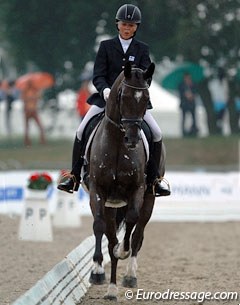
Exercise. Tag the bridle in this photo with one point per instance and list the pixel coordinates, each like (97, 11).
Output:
(137, 122)
(133, 87)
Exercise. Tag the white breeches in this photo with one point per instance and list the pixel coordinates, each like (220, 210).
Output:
(94, 110)
(156, 130)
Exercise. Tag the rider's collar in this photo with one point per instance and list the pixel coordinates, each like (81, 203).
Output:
(125, 43)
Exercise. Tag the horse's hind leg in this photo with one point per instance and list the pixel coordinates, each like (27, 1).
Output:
(122, 250)
(130, 279)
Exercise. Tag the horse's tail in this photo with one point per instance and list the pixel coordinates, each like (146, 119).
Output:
(120, 217)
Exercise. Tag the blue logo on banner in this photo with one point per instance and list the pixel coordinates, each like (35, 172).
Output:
(11, 193)
(82, 194)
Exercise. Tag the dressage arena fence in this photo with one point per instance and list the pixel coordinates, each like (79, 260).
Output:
(68, 281)
(195, 196)
(198, 196)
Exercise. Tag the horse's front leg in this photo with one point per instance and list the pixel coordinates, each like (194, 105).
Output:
(97, 276)
(130, 279)
(111, 229)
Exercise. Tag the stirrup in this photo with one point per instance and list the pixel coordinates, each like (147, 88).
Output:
(65, 175)
(159, 180)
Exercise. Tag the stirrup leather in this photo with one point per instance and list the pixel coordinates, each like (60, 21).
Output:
(159, 180)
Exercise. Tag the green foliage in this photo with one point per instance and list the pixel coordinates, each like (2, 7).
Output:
(208, 30)
(50, 33)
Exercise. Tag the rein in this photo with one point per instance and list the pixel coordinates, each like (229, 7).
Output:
(120, 126)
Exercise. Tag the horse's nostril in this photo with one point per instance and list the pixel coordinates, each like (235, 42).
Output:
(126, 139)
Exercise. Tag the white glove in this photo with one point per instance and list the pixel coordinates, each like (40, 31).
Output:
(106, 93)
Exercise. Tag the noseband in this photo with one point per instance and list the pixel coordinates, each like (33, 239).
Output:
(137, 122)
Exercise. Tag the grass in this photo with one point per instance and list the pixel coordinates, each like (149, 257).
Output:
(210, 153)
(56, 154)
(214, 152)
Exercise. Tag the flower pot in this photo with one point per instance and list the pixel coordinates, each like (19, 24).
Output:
(36, 194)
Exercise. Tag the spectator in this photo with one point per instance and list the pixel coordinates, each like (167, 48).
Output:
(187, 92)
(237, 105)
(12, 94)
(219, 90)
(2, 92)
(82, 96)
(30, 97)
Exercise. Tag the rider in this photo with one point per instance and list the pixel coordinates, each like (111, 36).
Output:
(110, 60)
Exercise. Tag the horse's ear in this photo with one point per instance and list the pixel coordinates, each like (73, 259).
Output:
(149, 72)
(127, 70)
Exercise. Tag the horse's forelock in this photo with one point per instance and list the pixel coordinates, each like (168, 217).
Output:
(138, 75)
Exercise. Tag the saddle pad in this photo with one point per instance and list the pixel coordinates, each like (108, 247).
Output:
(145, 143)
(89, 141)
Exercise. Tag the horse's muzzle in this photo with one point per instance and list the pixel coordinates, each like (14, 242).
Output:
(130, 144)
(131, 128)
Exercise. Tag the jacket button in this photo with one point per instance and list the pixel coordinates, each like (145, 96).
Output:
(122, 67)
(124, 59)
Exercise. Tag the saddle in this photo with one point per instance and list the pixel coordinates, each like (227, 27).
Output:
(91, 125)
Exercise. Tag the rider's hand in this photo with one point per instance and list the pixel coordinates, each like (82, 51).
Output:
(106, 93)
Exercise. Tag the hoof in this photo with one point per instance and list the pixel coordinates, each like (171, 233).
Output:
(110, 297)
(97, 278)
(118, 254)
(129, 281)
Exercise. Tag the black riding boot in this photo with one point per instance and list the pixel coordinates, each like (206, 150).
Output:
(153, 176)
(72, 183)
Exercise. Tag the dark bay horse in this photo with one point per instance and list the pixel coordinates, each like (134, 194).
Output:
(117, 175)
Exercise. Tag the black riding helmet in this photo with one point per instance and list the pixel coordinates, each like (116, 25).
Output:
(129, 13)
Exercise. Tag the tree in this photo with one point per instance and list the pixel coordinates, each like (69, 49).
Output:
(50, 33)
(56, 36)
(207, 32)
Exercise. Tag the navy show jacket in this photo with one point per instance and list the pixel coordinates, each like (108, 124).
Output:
(110, 61)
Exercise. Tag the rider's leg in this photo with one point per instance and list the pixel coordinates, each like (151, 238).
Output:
(155, 155)
(72, 183)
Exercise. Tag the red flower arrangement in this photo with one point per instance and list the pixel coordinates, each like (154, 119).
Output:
(39, 181)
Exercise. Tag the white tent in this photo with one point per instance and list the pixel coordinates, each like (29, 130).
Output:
(162, 100)
(165, 110)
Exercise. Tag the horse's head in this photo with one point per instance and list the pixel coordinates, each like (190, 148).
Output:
(133, 101)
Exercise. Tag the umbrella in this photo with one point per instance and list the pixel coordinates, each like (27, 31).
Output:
(40, 80)
(174, 78)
